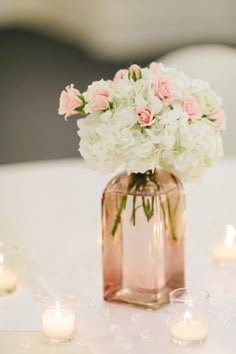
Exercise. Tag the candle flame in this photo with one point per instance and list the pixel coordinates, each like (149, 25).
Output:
(1, 259)
(58, 309)
(1, 262)
(230, 235)
(187, 316)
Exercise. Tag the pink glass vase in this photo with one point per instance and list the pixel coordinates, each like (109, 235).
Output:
(143, 230)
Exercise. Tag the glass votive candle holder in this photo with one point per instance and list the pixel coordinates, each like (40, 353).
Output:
(189, 316)
(58, 318)
(224, 251)
(8, 274)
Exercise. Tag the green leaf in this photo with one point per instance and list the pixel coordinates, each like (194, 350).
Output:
(79, 109)
(82, 98)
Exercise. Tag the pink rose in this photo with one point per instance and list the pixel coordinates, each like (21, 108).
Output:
(163, 89)
(144, 116)
(134, 72)
(219, 117)
(153, 66)
(191, 107)
(98, 97)
(69, 100)
(120, 74)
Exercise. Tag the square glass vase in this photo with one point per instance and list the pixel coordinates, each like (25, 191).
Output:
(143, 232)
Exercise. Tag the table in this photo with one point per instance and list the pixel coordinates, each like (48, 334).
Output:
(51, 209)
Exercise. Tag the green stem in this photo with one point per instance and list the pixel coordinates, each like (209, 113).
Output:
(118, 214)
(122, 206)
(178, 199)
(151, 177)
(138, 181)
(160, 198)
(163, 210)
(172, 228)
(133, 211)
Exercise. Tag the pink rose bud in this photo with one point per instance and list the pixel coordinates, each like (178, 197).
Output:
(144, 116)
(191, 107)
(153, 66)
(98, 97)
(219, 117)
(69, 100)
(120, 74)
(163, 89)
(135, 72)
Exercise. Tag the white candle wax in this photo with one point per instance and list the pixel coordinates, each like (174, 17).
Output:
(8, 278)
(58, 323)
(8, 281)
(191, 330)
(226, 251)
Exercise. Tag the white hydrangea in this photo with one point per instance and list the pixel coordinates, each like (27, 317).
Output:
(175, 139)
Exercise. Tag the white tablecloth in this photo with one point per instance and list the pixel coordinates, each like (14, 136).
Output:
(51, 209)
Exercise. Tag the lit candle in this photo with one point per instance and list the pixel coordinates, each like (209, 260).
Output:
(188, 329)
(225, 251)
(8, 279)
(189, 316)
(58, 324)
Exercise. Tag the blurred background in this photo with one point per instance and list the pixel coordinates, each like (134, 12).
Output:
(48, 44)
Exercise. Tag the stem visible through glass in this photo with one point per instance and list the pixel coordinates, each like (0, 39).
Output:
(138, 182)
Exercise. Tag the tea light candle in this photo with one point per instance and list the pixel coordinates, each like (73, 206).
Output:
(188, 329)
(58, 324)
(8, 279)
(189, 316)
(225, 251)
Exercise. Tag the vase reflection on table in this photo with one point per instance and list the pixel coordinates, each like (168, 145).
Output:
(143, 239)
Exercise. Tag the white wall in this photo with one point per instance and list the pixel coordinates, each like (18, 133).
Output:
(120, 29)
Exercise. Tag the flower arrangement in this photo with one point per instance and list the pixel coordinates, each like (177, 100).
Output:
(147, 118)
